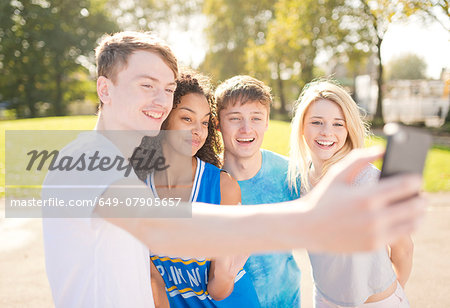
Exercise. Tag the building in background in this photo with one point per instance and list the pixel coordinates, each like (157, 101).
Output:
(407, 101)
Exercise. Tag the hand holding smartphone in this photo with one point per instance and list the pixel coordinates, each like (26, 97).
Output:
(406, 150)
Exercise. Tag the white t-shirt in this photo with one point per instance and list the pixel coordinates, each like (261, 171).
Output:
(91, 262)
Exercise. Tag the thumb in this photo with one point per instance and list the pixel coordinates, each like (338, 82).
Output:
(351, 165)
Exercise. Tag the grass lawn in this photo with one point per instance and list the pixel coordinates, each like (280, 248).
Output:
(437, 167)
(54, 123)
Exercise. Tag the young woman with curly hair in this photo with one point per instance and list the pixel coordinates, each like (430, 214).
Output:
(200, 282)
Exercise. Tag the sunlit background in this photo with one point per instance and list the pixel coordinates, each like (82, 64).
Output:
(47, 69)
(47, 62)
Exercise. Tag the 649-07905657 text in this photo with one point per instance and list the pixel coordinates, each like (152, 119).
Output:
(99, 201)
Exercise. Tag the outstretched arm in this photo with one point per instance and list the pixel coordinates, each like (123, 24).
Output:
(333, 217)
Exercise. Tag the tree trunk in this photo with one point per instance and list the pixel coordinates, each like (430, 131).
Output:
(354, 95)
(447, 118)
(30, 96)
(58, 104)
(281, 91)
(59, 110)
(307, 73)
(379, 110)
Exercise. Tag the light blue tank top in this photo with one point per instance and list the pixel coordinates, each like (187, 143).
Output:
(275, 276)
(186, 279)
(349, 279)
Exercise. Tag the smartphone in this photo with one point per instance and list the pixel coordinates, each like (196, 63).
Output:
(406, 150)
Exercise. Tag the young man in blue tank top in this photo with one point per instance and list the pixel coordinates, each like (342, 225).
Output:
(243, 105)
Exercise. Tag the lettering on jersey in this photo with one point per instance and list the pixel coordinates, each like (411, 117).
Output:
(193, 278)
(173, 275)
(197, 271)
(161, 270)
(179, 274)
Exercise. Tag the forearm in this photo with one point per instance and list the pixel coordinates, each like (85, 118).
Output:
(402, 259)
(213, 230)
(158, 288)
(218, 231)
(221, 283)
(332, 218)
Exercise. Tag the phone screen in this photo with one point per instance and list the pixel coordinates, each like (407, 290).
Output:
(406, 150)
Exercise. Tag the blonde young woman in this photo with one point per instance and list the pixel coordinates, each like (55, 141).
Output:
(326, 127)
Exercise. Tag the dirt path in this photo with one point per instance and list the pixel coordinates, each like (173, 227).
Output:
(23, 282)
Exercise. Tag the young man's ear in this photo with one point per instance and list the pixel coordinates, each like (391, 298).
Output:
(103, 90)
(268, 120)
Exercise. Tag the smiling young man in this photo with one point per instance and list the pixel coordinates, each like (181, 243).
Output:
(244, 105)
(97, 260)
(89, 261)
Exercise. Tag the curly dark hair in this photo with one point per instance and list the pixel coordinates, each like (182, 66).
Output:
(189, 82)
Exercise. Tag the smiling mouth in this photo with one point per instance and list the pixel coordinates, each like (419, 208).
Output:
(326, 144)
(153, 114)
(245, 140)
(194, 143)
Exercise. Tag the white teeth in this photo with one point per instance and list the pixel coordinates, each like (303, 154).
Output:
(245, 140)
(325, 143)
(152, 114)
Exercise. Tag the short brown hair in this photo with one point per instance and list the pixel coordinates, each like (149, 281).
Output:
(242, 89)
(112, 53)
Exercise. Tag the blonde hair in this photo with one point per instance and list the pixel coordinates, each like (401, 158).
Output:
(299, 153)
(113, 52)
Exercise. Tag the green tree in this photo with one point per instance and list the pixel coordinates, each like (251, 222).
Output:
(299, 30)
(407, 66)
(368, 21)
(22, 57)
(231, 26)
(153, 14)
(42, 44)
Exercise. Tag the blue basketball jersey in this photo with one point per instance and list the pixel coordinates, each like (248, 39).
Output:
(186, 279)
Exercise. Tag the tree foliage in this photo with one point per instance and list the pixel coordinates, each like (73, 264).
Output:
(42, 46)
(408, 66)
(280, 41)
(231, 26)
(369, 20)
(436, 10)
(152, 14)
(295, 36)
(46, 46)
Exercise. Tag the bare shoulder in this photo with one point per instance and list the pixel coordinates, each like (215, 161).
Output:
(228, 183)
(229, 189)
